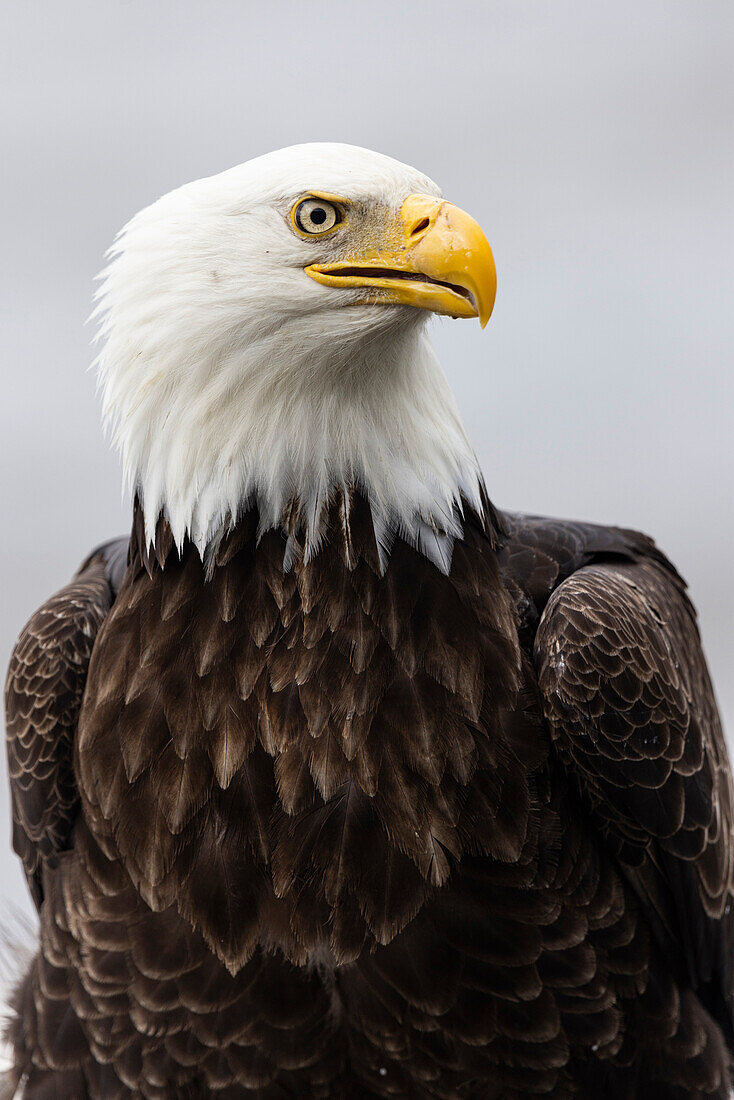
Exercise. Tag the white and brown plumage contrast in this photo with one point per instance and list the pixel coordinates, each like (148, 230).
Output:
(333, 780)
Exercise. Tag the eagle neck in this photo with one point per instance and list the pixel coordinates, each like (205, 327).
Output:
(286, 427)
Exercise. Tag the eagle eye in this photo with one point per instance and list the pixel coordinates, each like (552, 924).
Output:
(315, 216)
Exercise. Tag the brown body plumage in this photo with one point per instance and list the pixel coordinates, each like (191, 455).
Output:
(345, 830)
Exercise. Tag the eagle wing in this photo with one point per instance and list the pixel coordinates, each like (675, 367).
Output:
(43, 694)
(627, 695)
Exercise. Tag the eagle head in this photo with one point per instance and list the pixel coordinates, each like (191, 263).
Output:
(264, 346)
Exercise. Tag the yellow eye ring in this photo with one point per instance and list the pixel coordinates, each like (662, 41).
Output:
(317, 215)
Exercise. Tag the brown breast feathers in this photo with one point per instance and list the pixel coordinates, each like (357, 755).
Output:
(295, 756)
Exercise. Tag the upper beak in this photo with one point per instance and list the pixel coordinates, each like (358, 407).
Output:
(439, 259)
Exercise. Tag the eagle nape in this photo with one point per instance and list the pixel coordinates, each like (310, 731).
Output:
(334, 779)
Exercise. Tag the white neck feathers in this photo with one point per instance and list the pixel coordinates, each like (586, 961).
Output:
(284, 421)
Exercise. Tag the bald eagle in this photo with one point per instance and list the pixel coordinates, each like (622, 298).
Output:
(334, 780)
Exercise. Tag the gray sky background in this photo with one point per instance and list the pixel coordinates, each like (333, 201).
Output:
(594, 142)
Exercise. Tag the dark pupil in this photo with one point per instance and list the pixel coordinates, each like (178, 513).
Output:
(318, 216)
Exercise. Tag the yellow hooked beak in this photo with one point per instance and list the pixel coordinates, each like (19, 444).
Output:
(437, 258)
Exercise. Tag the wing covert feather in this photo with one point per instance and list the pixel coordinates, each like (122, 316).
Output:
(628, 698)
(43, 693)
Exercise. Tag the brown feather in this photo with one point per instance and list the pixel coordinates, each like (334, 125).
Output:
(309, 834)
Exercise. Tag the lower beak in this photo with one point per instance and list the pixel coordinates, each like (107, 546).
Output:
(442, 263)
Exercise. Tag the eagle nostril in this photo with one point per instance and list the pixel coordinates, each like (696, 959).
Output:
(420, 226)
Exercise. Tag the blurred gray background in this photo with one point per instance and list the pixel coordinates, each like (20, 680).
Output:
(594, 142)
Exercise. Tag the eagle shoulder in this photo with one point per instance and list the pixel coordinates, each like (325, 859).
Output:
(626, 693)
(43, 694)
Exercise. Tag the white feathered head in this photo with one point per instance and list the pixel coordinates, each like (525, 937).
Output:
(264, 344)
